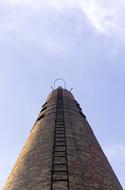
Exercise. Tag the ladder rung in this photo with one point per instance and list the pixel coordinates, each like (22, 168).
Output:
(60, 128)
(60, 141)
(59, 123)
(65, 171)
(61, 145)
(63, 163)
(58, 135)
(59, 166)
(57, 161)
(59, 151)
(60, 177)
(54, 180)
(59, 138)
(59, 156)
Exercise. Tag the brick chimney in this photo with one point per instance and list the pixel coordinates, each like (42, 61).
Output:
(61, 152)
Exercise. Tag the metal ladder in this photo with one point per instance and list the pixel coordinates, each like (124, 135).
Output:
(59, 176)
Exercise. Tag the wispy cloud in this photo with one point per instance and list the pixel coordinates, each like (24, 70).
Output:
(60, 27)
(106, 16)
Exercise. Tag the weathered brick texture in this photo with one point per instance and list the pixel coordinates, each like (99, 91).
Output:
(88, 167)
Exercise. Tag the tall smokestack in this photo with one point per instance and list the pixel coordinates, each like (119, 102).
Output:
(61, 152)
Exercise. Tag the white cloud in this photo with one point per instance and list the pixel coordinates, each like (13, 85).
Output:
(97, 13)
(106, 16)
(56, 25)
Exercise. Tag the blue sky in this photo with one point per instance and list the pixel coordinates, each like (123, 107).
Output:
(82, 41)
